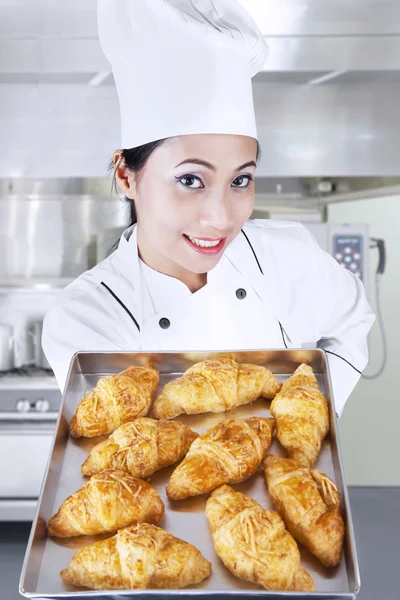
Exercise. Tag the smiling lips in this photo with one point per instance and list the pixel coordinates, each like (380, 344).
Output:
(205, 245)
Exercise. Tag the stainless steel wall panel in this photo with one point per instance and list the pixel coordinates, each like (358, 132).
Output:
(328, 130)
(49, 236)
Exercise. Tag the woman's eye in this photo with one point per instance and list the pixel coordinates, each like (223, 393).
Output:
(190, 179)
(247, 180)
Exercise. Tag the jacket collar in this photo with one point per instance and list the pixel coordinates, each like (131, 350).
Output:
(240, 255)
(265, 282)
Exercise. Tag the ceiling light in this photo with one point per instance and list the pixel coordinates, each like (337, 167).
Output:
(99, 78)
(326, 77)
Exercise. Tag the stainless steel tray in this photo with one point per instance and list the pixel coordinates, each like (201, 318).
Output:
(46, 557)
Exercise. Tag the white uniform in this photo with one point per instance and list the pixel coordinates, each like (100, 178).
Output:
(273, 288)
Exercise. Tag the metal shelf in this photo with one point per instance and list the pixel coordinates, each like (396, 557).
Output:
(35, 284)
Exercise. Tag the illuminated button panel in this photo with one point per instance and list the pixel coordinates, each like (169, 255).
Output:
(348, 251)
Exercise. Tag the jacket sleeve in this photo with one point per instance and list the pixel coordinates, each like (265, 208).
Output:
(343, 320)
(77, 324)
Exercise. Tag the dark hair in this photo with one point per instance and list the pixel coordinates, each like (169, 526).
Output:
(135, 159)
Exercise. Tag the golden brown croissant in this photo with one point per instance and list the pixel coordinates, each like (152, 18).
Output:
(141, 447)
(115, 400)
(138, 557)
(253, 543)
(302, 416)
(215, 386)
(108, 501)
(309, 503)
(229, 452)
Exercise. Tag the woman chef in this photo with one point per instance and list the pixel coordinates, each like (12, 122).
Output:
(191, 272)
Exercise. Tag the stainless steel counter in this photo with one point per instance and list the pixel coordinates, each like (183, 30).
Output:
(377, 528)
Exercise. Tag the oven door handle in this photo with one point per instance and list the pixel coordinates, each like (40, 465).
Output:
(27, 428)
(7, 417)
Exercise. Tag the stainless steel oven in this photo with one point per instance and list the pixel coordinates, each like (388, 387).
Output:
(29, 405)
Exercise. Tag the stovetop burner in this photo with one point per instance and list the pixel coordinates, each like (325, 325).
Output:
(29, 389)
(27, 371)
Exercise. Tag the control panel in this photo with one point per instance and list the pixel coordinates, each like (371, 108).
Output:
(348, 251)
(38, 404)
(29, 401)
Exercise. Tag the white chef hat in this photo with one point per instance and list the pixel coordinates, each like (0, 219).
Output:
(181, 66)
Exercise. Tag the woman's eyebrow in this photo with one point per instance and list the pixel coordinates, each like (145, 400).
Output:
(204, 163)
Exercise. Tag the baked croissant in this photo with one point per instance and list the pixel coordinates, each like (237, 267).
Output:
(309, 503)
(115, 400)
(215, 386)
(138, 557)
(141, 447)
(229, 452)
(253, 543)
(108, 501)
(302, 417)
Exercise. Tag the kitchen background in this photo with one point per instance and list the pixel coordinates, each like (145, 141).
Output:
(327, 108)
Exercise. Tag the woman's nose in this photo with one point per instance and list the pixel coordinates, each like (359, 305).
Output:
(217, 213)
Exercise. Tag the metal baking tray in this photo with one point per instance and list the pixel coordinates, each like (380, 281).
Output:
(46, 557)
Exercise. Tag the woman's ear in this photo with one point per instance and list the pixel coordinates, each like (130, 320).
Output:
(124, 176)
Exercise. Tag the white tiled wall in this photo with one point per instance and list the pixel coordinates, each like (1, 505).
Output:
(57, 130)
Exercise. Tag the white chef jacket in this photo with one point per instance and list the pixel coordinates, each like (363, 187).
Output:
(274, 287)
(220, 314)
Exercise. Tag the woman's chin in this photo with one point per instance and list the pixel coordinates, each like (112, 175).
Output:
(201, 264)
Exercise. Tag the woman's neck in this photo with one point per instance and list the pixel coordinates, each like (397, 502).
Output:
(162, 264)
